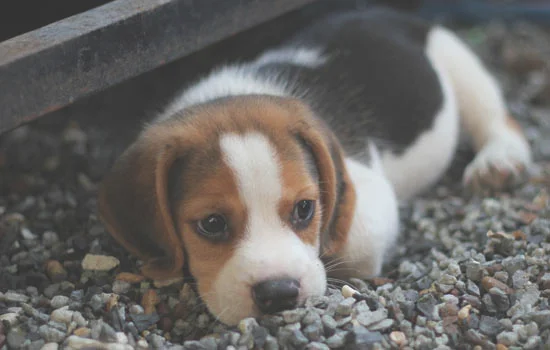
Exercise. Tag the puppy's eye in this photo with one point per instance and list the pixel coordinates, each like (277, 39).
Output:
(213, 227)
(302, 214)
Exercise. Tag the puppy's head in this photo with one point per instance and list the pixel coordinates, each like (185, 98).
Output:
(249, 191)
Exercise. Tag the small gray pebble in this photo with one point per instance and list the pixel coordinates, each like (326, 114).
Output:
(382, 325)
(474, 271)
(121, 287)
(39, 345)
(14, 297)
(79, 319)
(311, 317)
(502, 276)
(365, 337)
(193, 345)
(343, 321)
(317, 346)
(329, 325)
(292, 337)
(513, 264)
(507, 338)
(234, 338)
(447, 279)
(519, 279)
(247, 325)
(423, 342)
(489, 325)
(203, 320)
(271, 343)
(272, 322)
(533, 342)
(345, 306)
(298, 338)
(49, 238)
(96, 303)
(77, 295)
(489, 304)
(528, 331)
(16, 337)
(472, 288)
(108, 334)
(32, 291)
(337, 340)
(530, 296)
(52, 290)
(59, 301)
(506, 323)
(318, 301)
(426, 305)
(157, 342)
(313, 331)
(293, 316)
(142, 322)
(500, 298)
(260, 336)
(370, 318)
(136, 309)
(51, 334)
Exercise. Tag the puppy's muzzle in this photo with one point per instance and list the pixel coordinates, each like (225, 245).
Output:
(276, 295)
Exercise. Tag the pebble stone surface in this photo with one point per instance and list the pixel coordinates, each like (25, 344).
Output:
(469, 272)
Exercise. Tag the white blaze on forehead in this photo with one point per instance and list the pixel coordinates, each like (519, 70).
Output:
(257, 170)
(256, 167)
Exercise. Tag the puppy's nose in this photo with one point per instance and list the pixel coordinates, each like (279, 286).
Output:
(276, 295)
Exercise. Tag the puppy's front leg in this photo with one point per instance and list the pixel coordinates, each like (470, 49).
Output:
(375, 224)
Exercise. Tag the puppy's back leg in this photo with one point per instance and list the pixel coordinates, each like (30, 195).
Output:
(502, 151)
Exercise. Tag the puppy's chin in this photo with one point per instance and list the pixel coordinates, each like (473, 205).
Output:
(230, 298)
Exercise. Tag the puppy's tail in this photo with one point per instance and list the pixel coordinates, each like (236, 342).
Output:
(375, 160)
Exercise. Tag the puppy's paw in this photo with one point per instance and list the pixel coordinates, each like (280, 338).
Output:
(501, 164)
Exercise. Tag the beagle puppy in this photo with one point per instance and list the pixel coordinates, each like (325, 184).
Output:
(260, 173)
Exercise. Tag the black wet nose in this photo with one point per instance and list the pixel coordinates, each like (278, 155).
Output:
(276, 295)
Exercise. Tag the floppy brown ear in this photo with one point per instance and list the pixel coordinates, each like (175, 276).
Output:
(337, 190)
(133, 202)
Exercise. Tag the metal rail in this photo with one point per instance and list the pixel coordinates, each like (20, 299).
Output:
(48, 68)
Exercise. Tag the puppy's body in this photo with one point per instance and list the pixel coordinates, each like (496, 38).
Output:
(367, 75)
(353, 114)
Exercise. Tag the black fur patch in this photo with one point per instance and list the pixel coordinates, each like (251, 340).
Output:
(377, 83)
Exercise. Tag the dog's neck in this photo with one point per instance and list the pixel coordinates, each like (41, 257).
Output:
(258, 77)
(235, 80)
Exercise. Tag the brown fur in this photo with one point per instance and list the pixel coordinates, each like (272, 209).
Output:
(345, 210)
(133, 201)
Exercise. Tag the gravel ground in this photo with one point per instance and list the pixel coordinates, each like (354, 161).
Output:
(470, 272)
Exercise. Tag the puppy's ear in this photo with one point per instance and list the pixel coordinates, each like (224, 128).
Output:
(337, 190)
(133, 202)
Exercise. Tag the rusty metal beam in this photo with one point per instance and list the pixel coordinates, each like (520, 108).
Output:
(48, 68)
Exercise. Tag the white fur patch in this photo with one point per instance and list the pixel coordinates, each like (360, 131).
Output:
(477, 93)
(300, 56)
(269, 249)
(375, 224)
